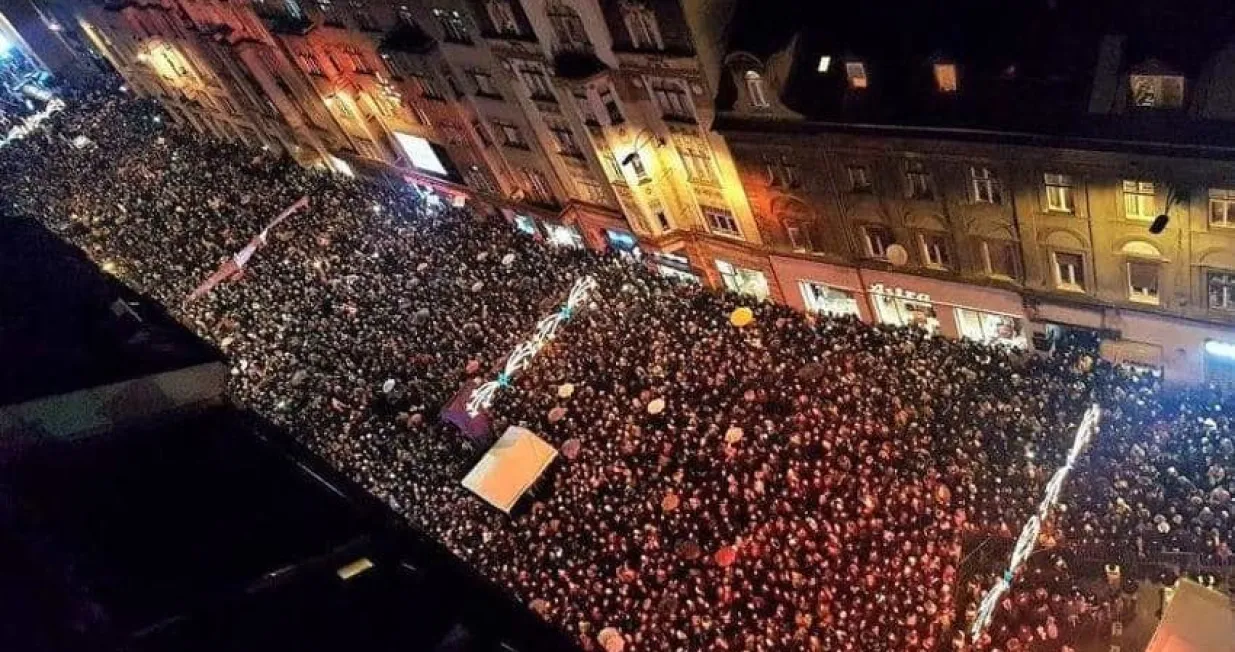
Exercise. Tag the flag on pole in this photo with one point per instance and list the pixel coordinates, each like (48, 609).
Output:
(234, 266)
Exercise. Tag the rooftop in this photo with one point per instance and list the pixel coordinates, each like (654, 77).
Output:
(1053, 67)
(95, 331)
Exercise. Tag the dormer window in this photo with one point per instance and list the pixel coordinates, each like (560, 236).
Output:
(1157, 91)
(945, 77)
(825, 63)
(856, 71)
(756, 89)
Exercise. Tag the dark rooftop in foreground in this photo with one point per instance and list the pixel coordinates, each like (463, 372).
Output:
(62, 329)
(201, 527)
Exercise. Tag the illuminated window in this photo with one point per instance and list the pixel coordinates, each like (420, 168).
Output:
(859, 178)
(454, 25)
(1069, 271)
(1143, 282)
(1058, 192)
(878, 239)
(918, 181)
(642, 26)
(698, 164)
(503, 17)
(825, 63)
(721, 221)
(1222, 291)
(1157, 91)
(1221, 207)
(754, 86)
(945, 77)
(935, 250)
(984, 186)
(856, 71)
(1139, 202)
(636, 164)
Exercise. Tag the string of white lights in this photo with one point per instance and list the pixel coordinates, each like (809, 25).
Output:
(32, 122)
(1028, 540)
(521, 356)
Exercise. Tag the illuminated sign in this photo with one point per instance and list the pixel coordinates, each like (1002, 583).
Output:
(420, 152)
(1220, 349)
(900, 293)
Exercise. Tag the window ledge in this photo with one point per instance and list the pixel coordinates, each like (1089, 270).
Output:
(1059, 211)
(1146, 301)
(1075, 289)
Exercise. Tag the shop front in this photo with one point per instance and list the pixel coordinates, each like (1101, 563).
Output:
(987, 315)
(743, 280)
(821, 288)
(674, 265)
(623, 242)
(563, 235)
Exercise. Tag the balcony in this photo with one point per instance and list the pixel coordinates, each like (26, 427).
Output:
(409, 39)
(577, 65)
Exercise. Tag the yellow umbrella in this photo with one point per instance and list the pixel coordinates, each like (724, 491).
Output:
(741, 317)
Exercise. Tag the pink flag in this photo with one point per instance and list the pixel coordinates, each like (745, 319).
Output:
(232, 267)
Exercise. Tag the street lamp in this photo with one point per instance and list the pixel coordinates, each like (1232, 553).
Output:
(634, 150)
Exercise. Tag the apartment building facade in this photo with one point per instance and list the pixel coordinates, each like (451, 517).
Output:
(1005, 198)
(588, 120)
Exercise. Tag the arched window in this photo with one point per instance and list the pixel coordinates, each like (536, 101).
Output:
(756, 89)
(568, 27)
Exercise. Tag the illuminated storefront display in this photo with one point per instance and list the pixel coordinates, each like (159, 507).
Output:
(623, 241)
(901, 307)
(525, 224)
(828, 300)
(1219, 360)
(564, 236)
(990, 328)
(751, 282)
(674, 266)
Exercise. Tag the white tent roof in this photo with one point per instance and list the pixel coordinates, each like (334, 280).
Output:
(510, 467)
(1196, 620)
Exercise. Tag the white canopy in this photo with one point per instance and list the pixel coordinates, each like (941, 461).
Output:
(508, 469)
(1196, 620)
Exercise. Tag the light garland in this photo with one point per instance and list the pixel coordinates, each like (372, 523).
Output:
(521, 356)
(32, 122)
(1028, 540)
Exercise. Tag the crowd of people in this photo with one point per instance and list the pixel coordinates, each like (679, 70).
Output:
(802, 482)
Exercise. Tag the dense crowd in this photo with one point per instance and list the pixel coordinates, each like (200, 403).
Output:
(811, 483)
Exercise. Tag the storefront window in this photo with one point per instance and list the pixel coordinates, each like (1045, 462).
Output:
(827, 300)
(1219, 360)
(624, 242)
(750, 282)
(674, 266)
(564, 236)
(990, 328)
(903, 308)
(525, 224)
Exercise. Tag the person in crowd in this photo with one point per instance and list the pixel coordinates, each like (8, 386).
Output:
(803, 482)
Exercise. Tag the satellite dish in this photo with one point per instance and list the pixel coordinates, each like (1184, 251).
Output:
(897, 255)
